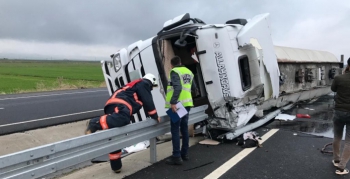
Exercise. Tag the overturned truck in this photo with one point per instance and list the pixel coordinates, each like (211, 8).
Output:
(238, 71)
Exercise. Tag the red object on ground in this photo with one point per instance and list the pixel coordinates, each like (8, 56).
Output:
(303, 116)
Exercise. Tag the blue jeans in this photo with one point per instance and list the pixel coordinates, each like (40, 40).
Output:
(180, 125)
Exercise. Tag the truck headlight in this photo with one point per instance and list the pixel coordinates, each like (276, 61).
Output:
(117, 63)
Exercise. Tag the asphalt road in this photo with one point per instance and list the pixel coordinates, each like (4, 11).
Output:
(20, 112)
(283, 156)
(293, 152)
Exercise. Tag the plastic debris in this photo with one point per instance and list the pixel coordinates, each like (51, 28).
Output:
(137, 147)
(285, 117)
(303, 116)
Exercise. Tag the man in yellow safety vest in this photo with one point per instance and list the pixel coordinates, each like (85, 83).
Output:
(179, 90)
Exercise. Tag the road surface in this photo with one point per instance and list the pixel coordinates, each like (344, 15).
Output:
(20, 112)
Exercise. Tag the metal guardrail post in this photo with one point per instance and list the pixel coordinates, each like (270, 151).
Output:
(153, 150)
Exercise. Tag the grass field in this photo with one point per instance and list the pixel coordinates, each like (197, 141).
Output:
(18, 76)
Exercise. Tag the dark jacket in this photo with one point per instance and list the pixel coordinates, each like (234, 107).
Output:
(341, 85)
(176, 83)
(137, 94)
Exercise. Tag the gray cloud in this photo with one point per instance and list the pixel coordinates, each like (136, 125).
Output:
(107, 21)
(119, 23)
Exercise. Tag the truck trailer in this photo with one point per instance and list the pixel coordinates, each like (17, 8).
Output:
(239, 72)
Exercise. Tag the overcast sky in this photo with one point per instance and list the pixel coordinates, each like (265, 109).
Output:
(94, 29)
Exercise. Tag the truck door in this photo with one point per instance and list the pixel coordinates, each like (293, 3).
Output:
(213, 66)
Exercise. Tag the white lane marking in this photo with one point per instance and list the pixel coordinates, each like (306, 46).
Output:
(51, 95)
(2, 108)
(234, 160)
(35, 120)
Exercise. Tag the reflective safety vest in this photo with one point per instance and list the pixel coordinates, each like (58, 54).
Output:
(186, 77)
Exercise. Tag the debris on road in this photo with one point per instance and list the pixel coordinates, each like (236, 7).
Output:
(249, 139)
(137, 147)
(303, 116)
(209, 142)
(285, 117)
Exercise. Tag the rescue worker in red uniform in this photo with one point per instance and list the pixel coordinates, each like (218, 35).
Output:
(119, 108)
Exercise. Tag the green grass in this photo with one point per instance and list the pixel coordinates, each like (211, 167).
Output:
(17, 76)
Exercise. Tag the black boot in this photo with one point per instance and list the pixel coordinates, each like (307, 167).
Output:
(116, 165)
(185, 157)
(92, 126)
(174, 161)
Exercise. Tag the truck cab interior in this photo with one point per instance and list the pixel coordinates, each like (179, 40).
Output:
(189, 59)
